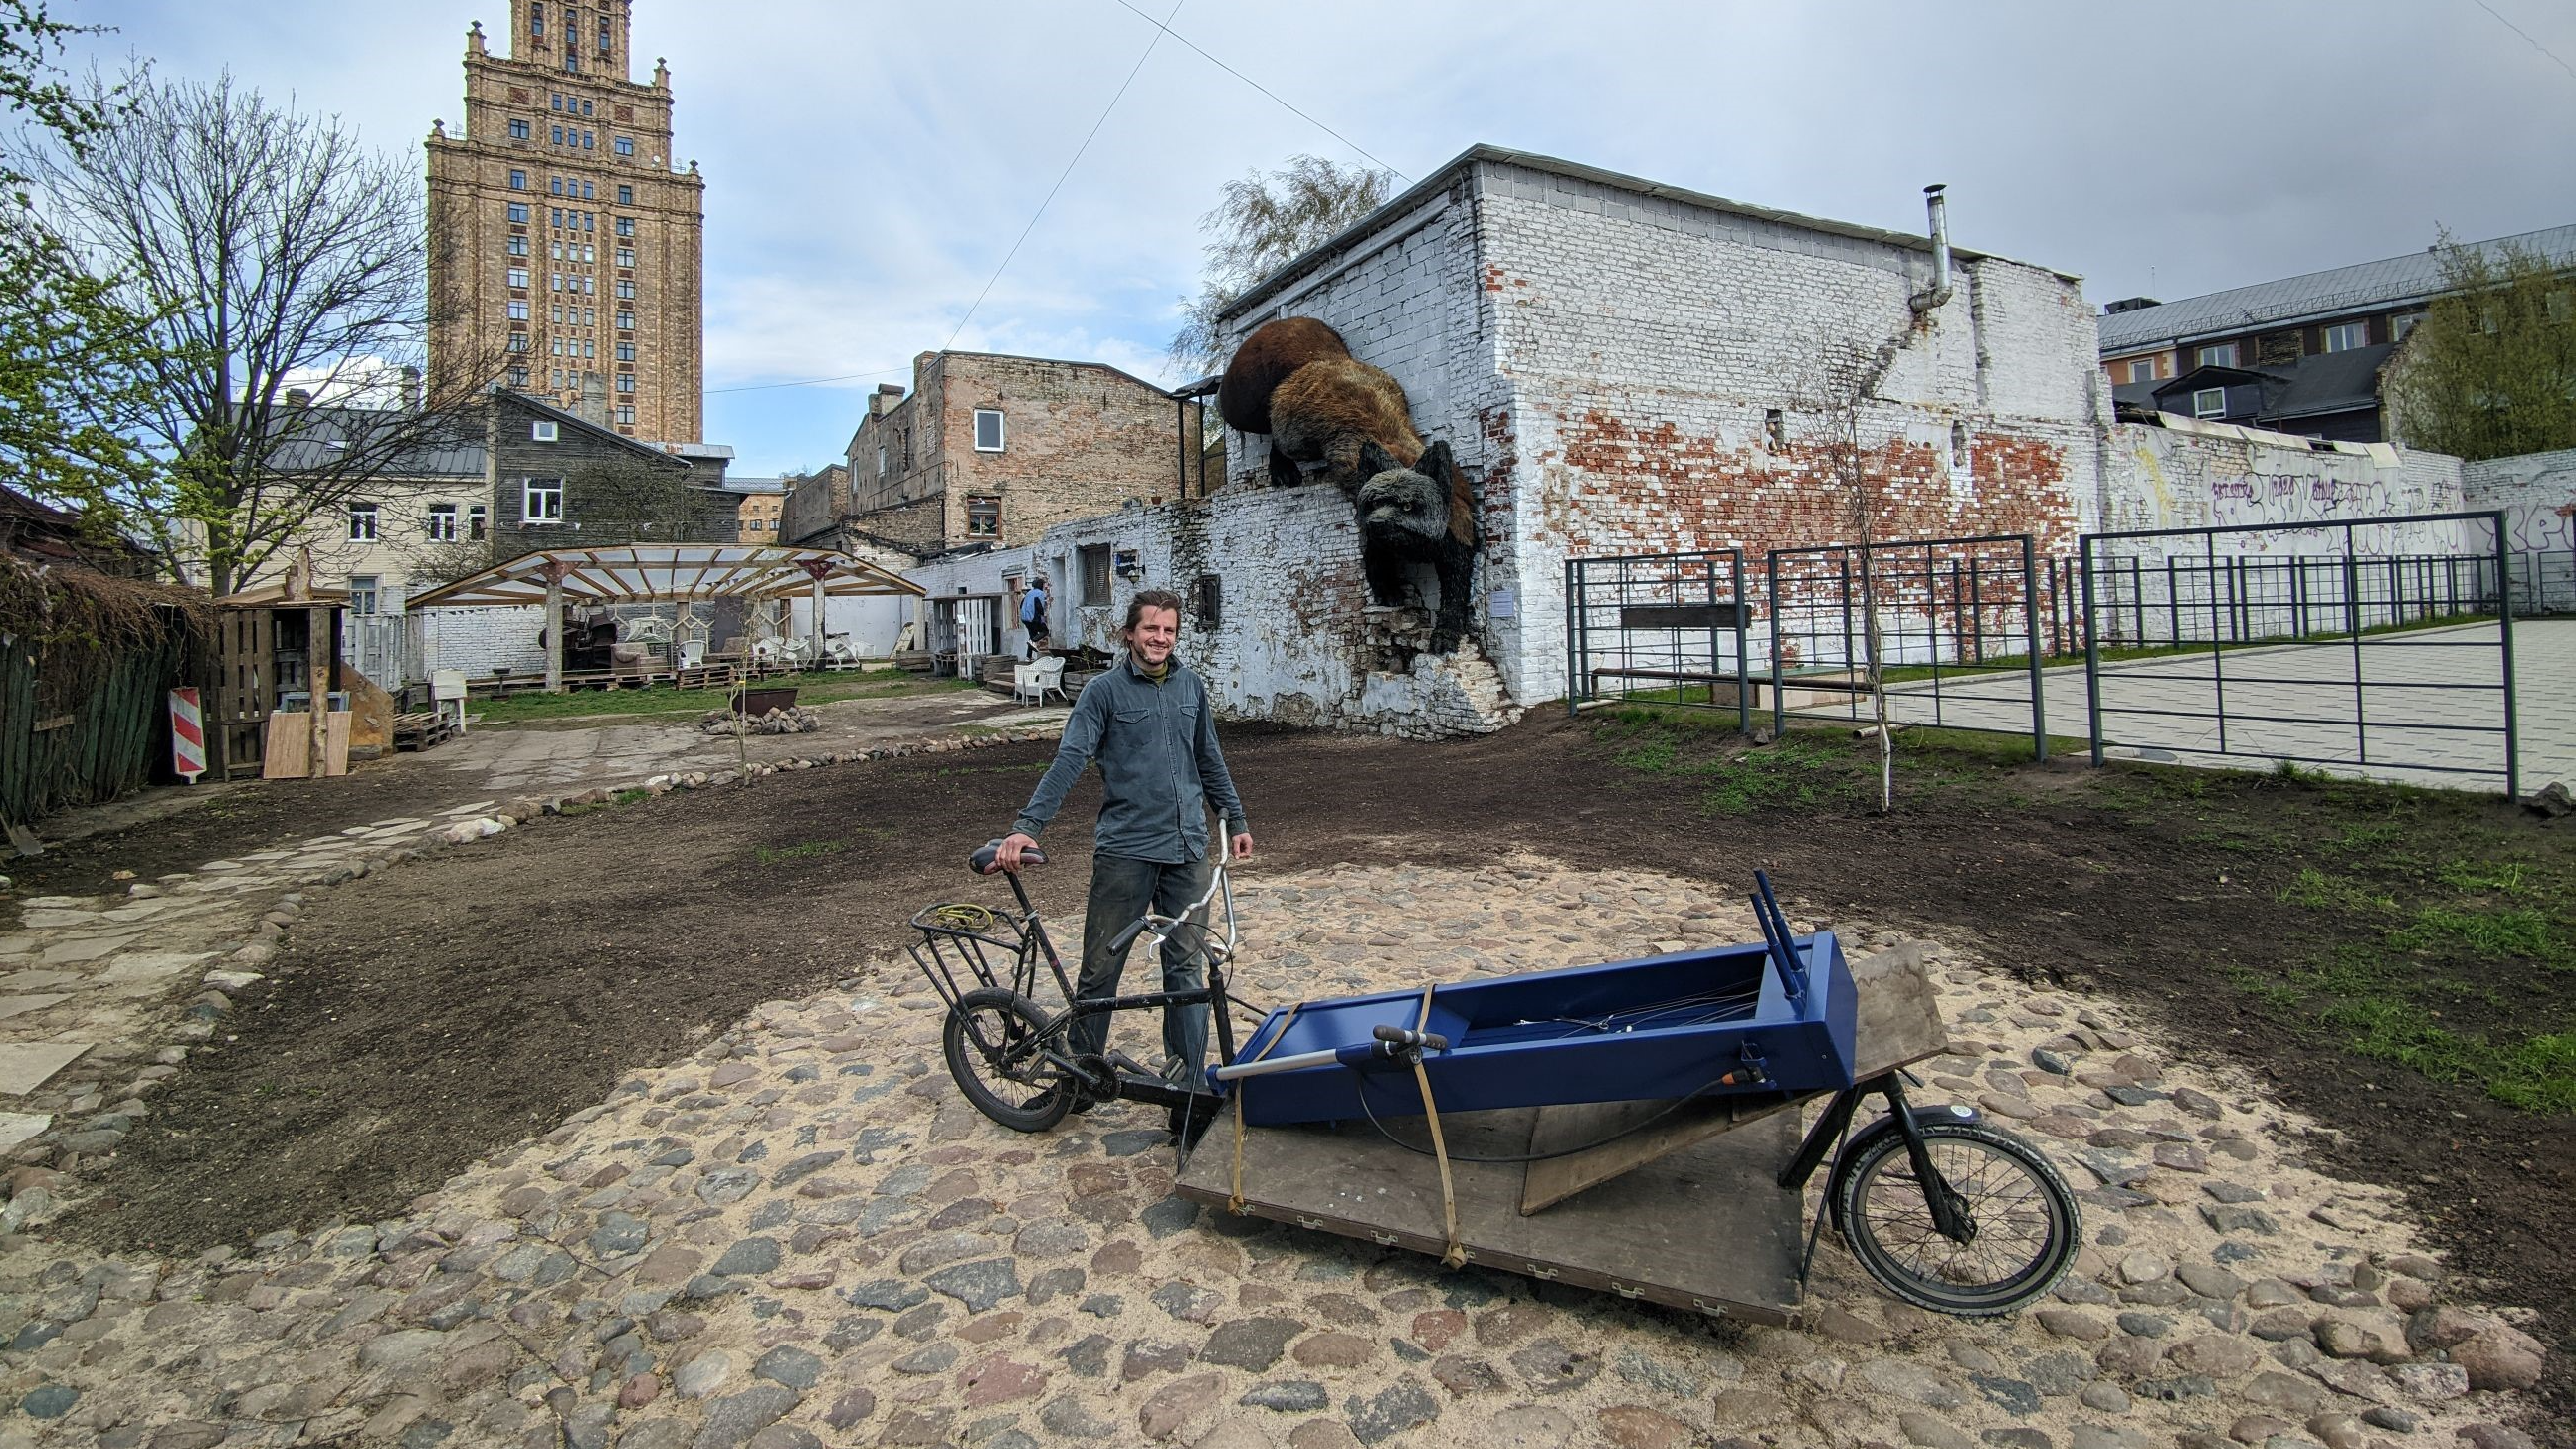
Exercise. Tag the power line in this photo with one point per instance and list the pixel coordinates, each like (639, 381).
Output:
(1068, 173)
(2525, 34)
(811, 381)
(1265, 90)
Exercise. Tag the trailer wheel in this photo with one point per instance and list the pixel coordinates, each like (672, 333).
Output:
(994, 1042)
(2027, 1227)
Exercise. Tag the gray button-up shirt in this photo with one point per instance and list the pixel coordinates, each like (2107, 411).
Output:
(1160, 769)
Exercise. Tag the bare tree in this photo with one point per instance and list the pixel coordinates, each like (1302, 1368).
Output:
(1846, 386)
(277, 255)
(1262, 223)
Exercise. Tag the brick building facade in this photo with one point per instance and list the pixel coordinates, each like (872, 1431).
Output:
(994, 450)
(565, 244)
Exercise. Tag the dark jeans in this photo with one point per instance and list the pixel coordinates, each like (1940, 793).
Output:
(1122, 887)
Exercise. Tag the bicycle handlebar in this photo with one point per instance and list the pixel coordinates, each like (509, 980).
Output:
(1430, 1041)
(987, 858)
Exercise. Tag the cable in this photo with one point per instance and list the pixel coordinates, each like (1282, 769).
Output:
(1267, 91)
(812, 381)
(2481, 4)
(1162, 30)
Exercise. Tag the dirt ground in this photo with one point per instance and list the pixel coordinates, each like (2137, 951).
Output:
(425, 1015)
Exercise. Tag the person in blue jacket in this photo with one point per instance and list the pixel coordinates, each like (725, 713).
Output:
(1148, 723)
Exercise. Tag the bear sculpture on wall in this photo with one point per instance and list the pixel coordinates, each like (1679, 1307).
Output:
(1295, 380)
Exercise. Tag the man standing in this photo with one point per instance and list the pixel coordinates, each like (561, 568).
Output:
(1033, 618)
(1147, 721)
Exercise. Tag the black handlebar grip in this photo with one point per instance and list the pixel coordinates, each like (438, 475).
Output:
(1398, 1036)
(987, 857)
(1127, 938)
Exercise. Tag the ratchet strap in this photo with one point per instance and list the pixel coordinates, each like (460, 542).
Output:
(1234, 1203)
(1455, 1254)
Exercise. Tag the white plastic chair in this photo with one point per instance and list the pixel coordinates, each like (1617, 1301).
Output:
(447, 687)
(1036, 680)
(693, 653)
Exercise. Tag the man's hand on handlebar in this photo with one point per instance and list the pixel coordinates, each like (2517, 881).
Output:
(1008, 857)
(1242, 846)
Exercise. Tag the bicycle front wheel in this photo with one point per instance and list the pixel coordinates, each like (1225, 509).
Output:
(995, 1043)
(2025, 1227)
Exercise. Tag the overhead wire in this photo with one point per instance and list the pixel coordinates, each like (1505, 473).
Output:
(1267, 91)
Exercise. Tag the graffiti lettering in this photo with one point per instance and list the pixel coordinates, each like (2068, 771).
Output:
(2221, 489)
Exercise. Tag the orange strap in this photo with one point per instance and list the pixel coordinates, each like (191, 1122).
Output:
(1455, 1254)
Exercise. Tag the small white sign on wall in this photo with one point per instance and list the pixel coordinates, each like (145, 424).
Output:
(1502, 604)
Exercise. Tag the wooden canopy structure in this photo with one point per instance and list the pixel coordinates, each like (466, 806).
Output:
(666, 573)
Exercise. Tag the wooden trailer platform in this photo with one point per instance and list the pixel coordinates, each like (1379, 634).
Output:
(1686, 1212)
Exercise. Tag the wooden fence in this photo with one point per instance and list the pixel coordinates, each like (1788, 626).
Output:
(82, 724)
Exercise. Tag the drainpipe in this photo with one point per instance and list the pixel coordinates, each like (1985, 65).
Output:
(1938, 294)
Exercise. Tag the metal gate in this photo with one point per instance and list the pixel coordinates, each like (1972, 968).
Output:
(1963, 631)
(1667, 628)
(2313, 643)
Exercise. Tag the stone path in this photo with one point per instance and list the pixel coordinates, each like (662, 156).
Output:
(802, 1235)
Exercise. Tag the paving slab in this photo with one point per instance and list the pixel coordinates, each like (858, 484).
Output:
(20, 1005)
(27, 1065)
(86, 948)
(17, 1127)
(22, 982)
(148, 966)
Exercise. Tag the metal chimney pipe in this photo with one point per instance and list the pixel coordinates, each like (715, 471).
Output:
(1939, 292)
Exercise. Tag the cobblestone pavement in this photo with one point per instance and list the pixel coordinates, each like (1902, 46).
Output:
(802, 1235)
(2302, 686)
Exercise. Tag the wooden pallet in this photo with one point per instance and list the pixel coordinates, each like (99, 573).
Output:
(425, 730)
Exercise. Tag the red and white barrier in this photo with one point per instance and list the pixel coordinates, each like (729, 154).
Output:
(187, 734)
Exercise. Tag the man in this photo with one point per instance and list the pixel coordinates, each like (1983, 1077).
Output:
(1147, 721)
(1033, 615)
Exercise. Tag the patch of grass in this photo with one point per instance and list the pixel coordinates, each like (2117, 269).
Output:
(772, 855)
(2517, 932)
(2314, 888)
(629, 797)
(531, 704)
(2507, 878)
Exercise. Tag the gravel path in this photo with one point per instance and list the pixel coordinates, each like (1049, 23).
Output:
(802, 1235)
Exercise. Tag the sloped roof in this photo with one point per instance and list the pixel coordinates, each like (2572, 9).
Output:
(2362, 287)
(313, 439)
(661, 573)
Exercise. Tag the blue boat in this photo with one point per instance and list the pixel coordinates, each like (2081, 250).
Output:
(1772, 1016)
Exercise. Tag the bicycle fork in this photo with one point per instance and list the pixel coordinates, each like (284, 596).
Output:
(1950, 1215)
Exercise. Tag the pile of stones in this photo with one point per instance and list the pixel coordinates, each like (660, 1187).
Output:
(796, 719)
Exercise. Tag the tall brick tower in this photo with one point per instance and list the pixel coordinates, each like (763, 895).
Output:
(564, 244)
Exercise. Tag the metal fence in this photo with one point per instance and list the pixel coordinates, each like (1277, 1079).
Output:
(1964, 627)
(2544, 581)
(2207, 642)
(1668, 628)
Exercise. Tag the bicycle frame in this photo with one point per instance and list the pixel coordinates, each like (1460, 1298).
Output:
(1028, 943)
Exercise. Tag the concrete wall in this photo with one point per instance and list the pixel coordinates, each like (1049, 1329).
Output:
(2537, 493)
(2163, 478)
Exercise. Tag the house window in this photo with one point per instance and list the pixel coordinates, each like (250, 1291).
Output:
(1205, 596)
(1775, 428)
(625, 146)
(519, 212)
(518, 181)
(988, 430)
(983, 518)
(362, 593)
(881, 460)
(543, 500)
(478, 522)
(1959, 447)
(2347, 336)
(362, 523)
(519, 131)
(2401, 324)
(2209, 402)
(442, 523)
(2143, 370)
(518, 377)
(626, 196)
(1093, 558)
(544, 431)
(2222, 354)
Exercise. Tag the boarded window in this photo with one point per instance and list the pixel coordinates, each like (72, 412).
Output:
(983, 518)
(1205, 598)
(1094, 559)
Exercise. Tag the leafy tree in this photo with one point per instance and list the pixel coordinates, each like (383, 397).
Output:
(74, 359)
(274, 255)
(1261, 224)
(2491, 369)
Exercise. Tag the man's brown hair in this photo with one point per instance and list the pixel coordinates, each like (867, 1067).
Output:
(1150, 599)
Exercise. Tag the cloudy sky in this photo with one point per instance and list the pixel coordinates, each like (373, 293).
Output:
(869, 164)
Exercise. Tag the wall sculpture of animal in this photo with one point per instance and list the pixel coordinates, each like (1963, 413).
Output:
(1295, 380)
(1415, 518)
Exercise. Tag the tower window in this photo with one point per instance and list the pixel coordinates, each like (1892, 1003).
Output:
(537, 21)
(518, 246)
(604, 45)
(625, 146)
(518, 181)
(518, 276)
(518, 311)
(519, 212)
(626, 196)
(519, 130)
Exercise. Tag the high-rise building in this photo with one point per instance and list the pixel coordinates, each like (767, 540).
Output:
(564, 243)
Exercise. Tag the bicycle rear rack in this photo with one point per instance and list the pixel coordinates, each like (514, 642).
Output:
(964, 940)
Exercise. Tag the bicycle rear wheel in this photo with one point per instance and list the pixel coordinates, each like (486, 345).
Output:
(2026, 1226)
(994, 1042)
